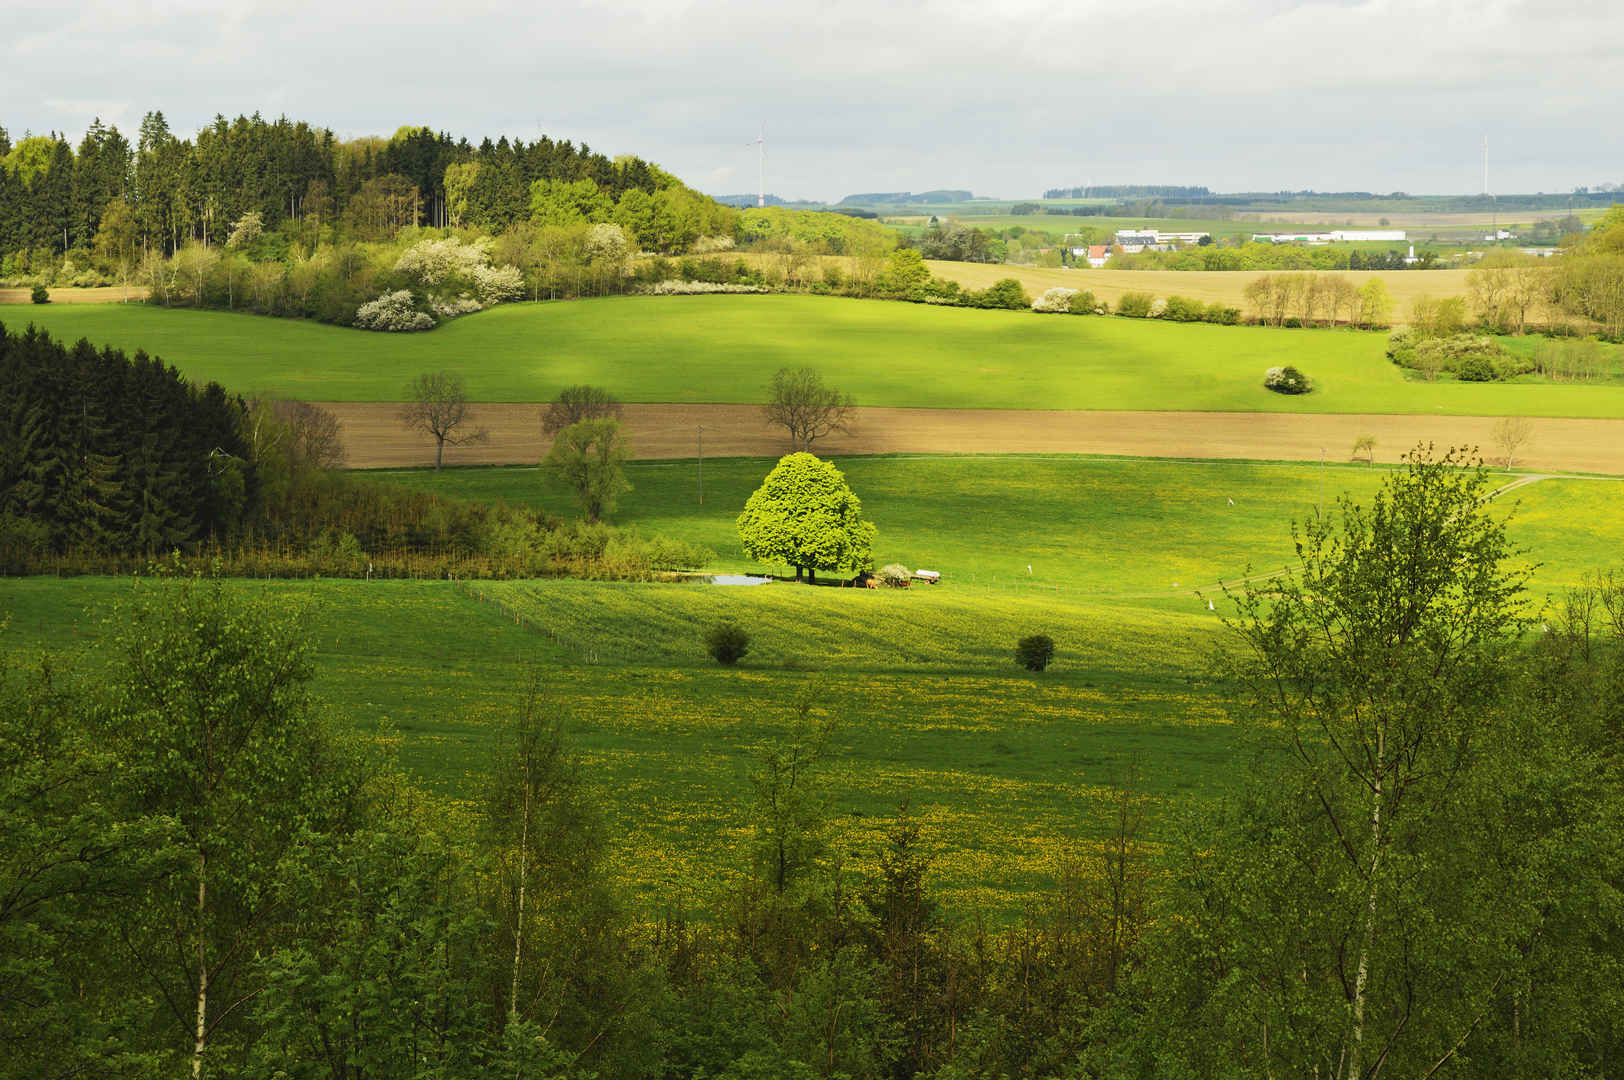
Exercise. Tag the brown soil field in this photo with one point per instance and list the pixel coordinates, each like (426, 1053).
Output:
(110, 294)
(375, 438)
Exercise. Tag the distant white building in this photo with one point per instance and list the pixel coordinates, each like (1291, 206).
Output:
(1133, 241)
(1336, 236)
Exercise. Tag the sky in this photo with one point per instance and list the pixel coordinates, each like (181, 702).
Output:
(1005, 99)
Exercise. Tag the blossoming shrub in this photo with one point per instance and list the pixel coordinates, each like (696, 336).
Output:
(392, 311)
(696, 288)
(1286, 380)
(1055, 300)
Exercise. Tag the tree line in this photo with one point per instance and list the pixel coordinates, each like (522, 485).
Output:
(107, 461)
(175, 190)
(201, 870)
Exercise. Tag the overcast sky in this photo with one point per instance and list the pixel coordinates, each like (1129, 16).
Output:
(1005, 98)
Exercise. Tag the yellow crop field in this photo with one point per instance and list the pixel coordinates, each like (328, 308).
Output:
(1208, 286)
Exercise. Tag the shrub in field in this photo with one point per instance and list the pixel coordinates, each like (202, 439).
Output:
(40, 295)
(1293, 323)
(1084, 303)
(393, 312)
(1007, 293)
(1286, 380)
(1158, 308)
(1054, 300)
(1034, 651)
(1221, 315)
(1476, 368)
(893, 574)
(1183, 309)
(1135, 305)
(727, 643)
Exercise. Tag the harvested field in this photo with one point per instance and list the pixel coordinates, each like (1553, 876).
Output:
(110, 294)
(376, 439)
(1208, 286)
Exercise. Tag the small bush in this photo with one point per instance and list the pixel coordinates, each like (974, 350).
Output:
(1286, 380)
(1293, 323)
(1084, 303)
(894, 574)
(1476, 368)
(40, 295)
(1183, 309)
(1034, 651)
(1136, 305)
(727, 643)
(1006, 293)
(1055, 300)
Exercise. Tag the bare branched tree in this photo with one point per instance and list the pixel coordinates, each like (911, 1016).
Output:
(437, 404)
(800, 403)
(1510, 436)
(576, 403)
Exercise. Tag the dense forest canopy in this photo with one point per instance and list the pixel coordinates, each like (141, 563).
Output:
(54, 199)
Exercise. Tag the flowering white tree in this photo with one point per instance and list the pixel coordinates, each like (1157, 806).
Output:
(1054, 300)
(458, 277)
(392, 311)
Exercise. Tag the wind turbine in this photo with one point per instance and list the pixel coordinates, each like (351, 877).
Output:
(760, 143)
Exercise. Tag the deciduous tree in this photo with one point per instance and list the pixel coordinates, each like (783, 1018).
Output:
(437, 404)
(799, 403)
(804, 515)
(588, 460)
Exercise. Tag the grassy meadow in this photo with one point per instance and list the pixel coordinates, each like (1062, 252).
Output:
(724, 348)
(1007, 770)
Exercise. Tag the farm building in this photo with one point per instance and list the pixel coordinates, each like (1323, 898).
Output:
(1336, 236)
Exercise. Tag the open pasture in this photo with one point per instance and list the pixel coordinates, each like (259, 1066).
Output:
(1008, 771)
(725, 348)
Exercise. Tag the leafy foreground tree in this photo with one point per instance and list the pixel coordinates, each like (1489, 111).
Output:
(804, 515)
(1414, 876)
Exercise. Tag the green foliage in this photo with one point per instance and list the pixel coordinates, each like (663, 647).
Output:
(1083, 302)
(1399, 795)
(40, 295)
(588, 459)
(727, 643)
(1135, 305)
(1034, 652)
(1286, 380)
(804, 515)
(1006, 293)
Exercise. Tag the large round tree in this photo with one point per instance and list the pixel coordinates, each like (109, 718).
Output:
(804, 515)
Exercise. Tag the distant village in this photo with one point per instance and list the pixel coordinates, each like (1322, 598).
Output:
(1134, 241)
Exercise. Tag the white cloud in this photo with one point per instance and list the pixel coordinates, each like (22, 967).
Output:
(1004, 99)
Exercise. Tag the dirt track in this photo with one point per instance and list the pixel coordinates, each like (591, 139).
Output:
(375, 438)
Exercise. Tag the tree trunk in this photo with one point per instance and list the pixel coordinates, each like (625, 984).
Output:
(439, 453)
(518, 922)
(200, 1040)
(1362, 977)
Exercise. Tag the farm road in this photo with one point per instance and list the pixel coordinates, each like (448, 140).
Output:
(375, 438)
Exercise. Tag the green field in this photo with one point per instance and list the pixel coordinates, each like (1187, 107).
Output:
(1006, 769)
(724, 348)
